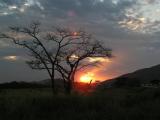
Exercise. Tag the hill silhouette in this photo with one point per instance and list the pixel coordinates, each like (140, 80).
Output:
(34, 84)
(143, 76)
(19, 85)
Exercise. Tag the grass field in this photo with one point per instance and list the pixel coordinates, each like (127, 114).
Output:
(110, 104)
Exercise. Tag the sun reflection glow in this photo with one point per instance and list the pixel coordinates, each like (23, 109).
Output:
(87, 78)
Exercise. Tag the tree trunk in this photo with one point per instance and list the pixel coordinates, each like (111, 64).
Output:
(70, 84)
(53, 86)
(69, 87)
(53, 82)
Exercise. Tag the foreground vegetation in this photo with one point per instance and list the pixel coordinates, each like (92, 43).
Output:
(109, 104)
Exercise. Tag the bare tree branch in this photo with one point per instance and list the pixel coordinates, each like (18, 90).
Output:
(71, 50)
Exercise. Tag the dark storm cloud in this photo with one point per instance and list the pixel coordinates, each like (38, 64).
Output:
(90, 8)
(83, 11)
(81, 8)
(13, 2)
(93, 13)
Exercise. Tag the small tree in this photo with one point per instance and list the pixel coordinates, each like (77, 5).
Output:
(77, 59)
(51, 50)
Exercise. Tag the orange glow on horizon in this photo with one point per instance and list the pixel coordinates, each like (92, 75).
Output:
(87, 78)
(94, 74)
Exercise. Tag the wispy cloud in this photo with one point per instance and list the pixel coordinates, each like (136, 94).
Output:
(13, 58)
(8, 8)
(142, 16)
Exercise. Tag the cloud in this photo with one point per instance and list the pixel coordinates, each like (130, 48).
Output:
(142, 16)
(10, 7)
(134, 15)
(135, 24)
(11, 58)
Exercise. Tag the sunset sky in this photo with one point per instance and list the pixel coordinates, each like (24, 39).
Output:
(130, 27)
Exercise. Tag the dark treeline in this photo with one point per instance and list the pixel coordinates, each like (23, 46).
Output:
(20, 85)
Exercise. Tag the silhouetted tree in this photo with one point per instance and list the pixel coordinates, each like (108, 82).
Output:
(62, 50)
(78, 58)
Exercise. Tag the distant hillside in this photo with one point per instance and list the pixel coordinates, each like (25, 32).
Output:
(146, 74)
(34, 84)
(139, 77)
(19, 85)
(48, 81)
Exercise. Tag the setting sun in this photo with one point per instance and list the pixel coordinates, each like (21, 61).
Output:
(87, 78)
